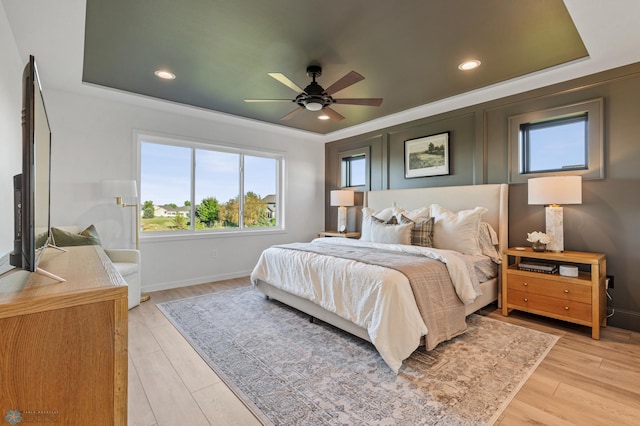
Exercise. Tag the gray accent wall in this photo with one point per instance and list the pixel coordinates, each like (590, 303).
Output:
(607, 221)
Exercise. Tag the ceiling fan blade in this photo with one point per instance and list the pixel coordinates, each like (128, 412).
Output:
(269, 100)
(292, 114)
(285, 80)
(332, 114)
(359, 101)
(346, 81)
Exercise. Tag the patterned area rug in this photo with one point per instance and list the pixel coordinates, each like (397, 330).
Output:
(293, 372)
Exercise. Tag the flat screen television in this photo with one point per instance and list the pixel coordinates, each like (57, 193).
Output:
(32, 187)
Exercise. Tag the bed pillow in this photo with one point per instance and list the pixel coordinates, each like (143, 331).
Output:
(488, 240)
(422, 231)
(368, 215)
(391, 234)
(457, 231)
(88, 237)
(417, 215)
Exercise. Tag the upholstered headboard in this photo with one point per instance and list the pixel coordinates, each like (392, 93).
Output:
(494, 197)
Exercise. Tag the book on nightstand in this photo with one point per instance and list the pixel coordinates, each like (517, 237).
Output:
(545, 268)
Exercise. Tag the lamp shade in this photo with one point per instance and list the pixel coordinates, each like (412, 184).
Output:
(342, 197)
(120, 188)
(555, 190)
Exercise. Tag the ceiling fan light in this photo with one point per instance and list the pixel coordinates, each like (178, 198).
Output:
(323, 117)
(313, 105)
(469, 65)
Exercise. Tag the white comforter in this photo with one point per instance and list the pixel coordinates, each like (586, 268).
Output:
(372, 297)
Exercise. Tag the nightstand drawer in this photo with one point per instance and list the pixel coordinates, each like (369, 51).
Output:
(538, 303)
(549, 287)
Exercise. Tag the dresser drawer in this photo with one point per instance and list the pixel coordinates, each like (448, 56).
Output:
(549, 287)
(538, 303)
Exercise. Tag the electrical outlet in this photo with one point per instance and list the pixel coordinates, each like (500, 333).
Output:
(609, 281)
(214, 253)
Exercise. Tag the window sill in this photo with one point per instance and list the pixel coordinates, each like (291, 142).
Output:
(192, 235)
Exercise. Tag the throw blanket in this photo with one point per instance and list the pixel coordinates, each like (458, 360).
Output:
(441, 309)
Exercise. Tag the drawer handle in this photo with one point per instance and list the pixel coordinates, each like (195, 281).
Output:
(566, 291)
(525, 284)
(526, 300)
(566, 308)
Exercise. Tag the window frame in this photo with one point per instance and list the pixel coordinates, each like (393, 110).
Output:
(179, 141)
(594, 144)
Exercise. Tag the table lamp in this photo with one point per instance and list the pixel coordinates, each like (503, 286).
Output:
(342, 198)
(553, 191)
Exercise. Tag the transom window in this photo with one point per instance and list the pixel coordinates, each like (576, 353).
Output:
(565, 140)
(188, 187)
(354, 171)
(355, 168)
(554, 145)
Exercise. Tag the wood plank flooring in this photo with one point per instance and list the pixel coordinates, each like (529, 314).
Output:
(581, 381)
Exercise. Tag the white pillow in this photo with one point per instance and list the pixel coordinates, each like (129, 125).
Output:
(488, 240)
(457, 231)
(416, 215)
(391, 234)
(367, 213)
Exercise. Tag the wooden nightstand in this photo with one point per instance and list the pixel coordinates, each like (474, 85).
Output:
(339, 234)
(581, 299)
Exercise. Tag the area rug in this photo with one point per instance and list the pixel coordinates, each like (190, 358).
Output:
(290, 371)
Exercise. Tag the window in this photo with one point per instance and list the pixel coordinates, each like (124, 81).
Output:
(566, 140)
(188, 187)
(354, 170)
(554, 145)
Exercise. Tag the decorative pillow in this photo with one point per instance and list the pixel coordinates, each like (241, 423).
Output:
(391, 234)
(421, 233)
(88, 237)
(417, 215)
(457, 231)
(488, 240)
(367, 215)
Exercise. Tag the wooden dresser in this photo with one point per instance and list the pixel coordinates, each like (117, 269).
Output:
(580, 299)
(63, 346)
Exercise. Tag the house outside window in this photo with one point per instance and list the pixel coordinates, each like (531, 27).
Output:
(195, 188)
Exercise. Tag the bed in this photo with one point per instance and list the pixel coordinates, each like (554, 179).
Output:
(377, 303)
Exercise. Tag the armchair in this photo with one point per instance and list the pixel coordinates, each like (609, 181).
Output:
(126, 262)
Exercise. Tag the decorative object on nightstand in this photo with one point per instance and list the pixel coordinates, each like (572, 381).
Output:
(538, 240)
(343, 199)
(579, 298)
(553, 191)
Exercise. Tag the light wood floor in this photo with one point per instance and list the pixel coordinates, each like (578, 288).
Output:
(581, 381)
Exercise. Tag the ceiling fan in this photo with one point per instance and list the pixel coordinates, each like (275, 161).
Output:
(315, 98)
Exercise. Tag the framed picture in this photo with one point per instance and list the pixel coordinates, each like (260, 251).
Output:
(427, 156)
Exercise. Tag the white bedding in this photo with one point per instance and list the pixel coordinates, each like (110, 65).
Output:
(372, 297)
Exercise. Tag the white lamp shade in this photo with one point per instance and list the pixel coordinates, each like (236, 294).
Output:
(555, 190)
(342, 197)
(120, 188)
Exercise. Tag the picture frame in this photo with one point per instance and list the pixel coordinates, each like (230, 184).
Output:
(426, 156)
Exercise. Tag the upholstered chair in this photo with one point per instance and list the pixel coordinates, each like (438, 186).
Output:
(125, 261)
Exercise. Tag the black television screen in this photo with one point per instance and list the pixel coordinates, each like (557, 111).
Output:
(32, 225)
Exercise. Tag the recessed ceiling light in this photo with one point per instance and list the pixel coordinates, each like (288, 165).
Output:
(469, 65)
(323, 117)
(167, 75)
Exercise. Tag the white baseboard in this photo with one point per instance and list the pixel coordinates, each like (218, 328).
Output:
(193, 281)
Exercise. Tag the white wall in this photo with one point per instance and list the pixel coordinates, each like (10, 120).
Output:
(10, 129)
(93, 141)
